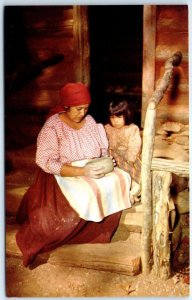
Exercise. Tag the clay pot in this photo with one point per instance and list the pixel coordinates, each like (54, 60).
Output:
(105, 162)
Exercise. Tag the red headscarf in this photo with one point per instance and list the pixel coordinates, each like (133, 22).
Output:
(72, 94)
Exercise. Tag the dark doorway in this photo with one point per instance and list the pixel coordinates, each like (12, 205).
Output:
(116, 37)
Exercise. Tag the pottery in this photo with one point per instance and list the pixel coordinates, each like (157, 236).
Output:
(105, 162)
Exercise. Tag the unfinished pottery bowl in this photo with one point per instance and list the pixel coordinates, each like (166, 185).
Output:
(105, 162)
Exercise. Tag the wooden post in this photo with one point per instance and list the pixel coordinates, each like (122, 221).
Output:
(81, 44)
(147, 154)
(161, 242)
(148, 73)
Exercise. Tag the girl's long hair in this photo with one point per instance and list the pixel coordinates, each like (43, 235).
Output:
(120, 108)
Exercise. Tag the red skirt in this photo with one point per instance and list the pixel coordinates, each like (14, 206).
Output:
(48, 221)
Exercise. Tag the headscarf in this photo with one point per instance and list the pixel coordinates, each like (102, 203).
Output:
(72, 94)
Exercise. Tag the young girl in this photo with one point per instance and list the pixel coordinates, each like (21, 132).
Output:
(125, 142)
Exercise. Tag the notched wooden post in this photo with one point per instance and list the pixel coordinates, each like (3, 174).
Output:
(161, 242)
(147, 155)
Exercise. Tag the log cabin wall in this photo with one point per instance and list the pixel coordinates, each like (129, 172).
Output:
(39, 59)
(170, 35)
(42, 45)
(47, 46)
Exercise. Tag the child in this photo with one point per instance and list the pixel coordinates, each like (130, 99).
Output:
(125, 142)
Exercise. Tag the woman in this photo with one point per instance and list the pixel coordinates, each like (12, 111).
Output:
(125, 142)
(51, 211)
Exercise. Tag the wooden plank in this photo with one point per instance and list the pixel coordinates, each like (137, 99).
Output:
(124, 234)
(179, 168)
(183, 70)
(169, 18)
(63, 44)
(174, 110)
(149, 40)
(81, 44)
(177, 113)
(165, 38)
(51, 15)
(176, 92)
(132, 218)
(170, 150)
(137, 207)
(165, 51)
(120, 257)
(161, 242)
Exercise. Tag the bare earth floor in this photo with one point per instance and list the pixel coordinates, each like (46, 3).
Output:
(47, 280)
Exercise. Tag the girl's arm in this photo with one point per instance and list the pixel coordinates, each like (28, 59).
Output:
(133, 147)
(134, 143)
(103, 140)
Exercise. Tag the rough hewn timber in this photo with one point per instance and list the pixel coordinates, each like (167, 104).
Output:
(119, 257)
(147, 154)
(179, 168)
(149, 39)
(81, 44)
(161, 242)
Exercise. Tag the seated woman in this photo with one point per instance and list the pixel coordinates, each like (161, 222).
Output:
(70, 200)
(125, 142)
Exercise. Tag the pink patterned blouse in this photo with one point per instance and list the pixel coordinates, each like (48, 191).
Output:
(57, 143)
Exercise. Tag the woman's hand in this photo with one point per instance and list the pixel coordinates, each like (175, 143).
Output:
(94, 171)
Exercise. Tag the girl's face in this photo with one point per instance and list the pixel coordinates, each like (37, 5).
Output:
(77, 113)
(117, 121)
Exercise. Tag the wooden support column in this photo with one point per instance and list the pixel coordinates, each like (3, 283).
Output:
(81, 44)
(149, 39)
(147, 153)
(161, 242)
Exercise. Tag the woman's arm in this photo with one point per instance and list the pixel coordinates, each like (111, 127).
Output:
(70, 171)
(47, 154)
(48, 157)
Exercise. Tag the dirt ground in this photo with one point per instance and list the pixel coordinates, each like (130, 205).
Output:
(47, 280)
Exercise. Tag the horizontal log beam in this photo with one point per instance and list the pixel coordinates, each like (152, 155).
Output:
(179, 168)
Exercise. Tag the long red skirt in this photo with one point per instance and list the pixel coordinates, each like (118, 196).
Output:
(47, 221)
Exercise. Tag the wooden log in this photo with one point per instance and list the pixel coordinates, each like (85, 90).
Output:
(169, 17)
(161, 242)
(164, 148)
(147, 153)
(179, 168)
(81, 44)
(119, 257)
(149, 38)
